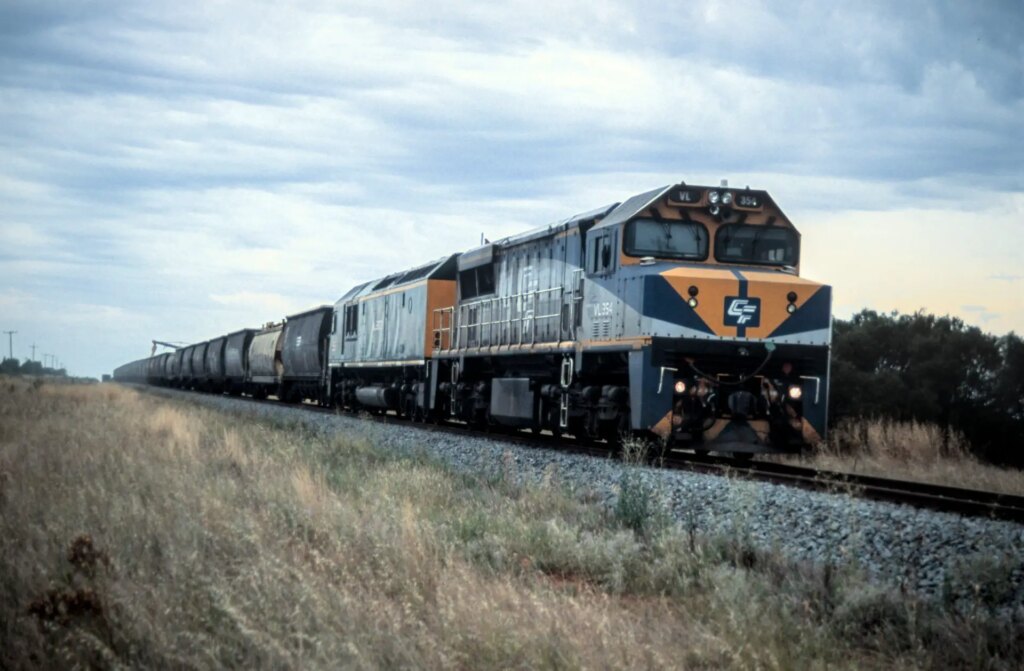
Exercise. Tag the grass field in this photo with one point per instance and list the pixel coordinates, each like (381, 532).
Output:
(150, 533)
(912, 451)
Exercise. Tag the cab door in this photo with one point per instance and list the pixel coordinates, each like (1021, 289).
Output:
(598, 306)
(572, 258)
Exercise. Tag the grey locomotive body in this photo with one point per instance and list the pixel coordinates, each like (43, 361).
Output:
(679, 313)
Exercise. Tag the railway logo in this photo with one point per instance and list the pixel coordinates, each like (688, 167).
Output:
(741, 311)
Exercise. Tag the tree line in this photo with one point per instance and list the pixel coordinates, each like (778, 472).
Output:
(932, 369)
(26, 367)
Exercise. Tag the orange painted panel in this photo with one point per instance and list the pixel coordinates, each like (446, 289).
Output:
(772, 288)
(715, 284)
(440, 294)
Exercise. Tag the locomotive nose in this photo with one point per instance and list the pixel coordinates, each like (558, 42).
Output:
(744, 303)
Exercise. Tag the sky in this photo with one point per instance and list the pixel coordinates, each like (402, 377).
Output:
(178, 170)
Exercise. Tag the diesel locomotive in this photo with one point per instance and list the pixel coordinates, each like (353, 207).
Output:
(679, 313)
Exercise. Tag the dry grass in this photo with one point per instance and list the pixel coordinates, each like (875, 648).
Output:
(910, 450)
(147, 533)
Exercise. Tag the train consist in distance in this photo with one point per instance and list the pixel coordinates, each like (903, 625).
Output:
(679, 313)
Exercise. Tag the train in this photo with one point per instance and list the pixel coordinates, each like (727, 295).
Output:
(678, 314)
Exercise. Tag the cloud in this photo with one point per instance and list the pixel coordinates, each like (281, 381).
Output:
(217, 94)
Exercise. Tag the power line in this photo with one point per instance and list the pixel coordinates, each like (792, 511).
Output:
(10, 343)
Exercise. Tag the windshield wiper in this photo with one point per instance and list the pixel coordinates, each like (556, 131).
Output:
(753, 243)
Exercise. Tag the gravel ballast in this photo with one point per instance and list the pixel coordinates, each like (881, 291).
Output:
(917, 549)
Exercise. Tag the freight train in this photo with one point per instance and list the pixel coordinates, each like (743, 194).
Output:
(679, 314)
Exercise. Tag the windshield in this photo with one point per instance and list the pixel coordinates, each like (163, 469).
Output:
(769, 245)
(666, 239)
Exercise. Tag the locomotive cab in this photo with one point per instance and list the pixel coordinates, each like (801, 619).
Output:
(728, 347)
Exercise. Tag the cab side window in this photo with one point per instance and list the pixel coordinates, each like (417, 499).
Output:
(601, 253)
(351, 320)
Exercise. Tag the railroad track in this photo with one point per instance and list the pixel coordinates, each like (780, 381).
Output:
(962, 501)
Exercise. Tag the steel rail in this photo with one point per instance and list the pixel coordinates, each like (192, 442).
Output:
(960, 500)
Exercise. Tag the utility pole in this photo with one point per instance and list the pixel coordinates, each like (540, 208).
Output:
(10, 343)
(33, 352)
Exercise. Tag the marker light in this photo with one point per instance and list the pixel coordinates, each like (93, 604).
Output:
(790, 308)
(714, 197)
(680, 387)
(692, 302)
(726, 198)
(795, 392)
(791, 297)
(693, 290)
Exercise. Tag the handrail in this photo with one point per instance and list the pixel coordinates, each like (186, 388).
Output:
(497, 320)
(442, 333)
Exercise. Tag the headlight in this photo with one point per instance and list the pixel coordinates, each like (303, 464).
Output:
(692, 302)
(790, 308)
(713, 197)
(680, 387)
(714, 210)
(726, 198)
(795, 392)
